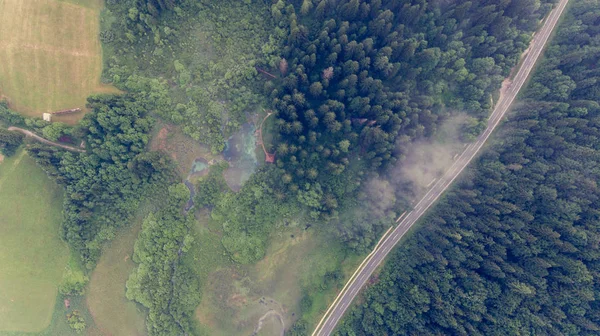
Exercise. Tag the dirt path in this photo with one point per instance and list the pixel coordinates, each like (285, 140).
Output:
(266, 316)
(47, 142)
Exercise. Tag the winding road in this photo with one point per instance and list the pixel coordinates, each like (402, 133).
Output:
(46, 141)
(406, 221)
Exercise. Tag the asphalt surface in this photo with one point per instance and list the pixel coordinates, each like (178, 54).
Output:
(405, 222)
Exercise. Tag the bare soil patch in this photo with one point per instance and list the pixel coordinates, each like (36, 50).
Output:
(181, 148)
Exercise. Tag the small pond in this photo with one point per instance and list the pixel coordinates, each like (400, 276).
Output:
(199, 168)
(240, 152)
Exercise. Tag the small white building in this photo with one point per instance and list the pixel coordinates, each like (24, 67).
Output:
(47, 116)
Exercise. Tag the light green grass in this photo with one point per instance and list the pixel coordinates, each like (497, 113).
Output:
(32, 256)
(112, 312)
(235, 297)
(59, 325)
(50, 55)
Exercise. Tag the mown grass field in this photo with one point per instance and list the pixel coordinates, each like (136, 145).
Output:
(50, 55)
(32, 256)
(112, 312)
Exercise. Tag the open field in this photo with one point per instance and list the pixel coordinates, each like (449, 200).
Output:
(112, 312)
(50, 55)
(32, 256)
(59, 324)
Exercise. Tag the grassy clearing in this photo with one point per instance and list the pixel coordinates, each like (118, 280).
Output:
(180, 147)
(112, 312)
(32, 256)
(236, 297)
(59, 325)
(50, 55)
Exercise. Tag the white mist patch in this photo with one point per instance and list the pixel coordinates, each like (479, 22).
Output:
(380, 196)
(422, 162)
(426, 163)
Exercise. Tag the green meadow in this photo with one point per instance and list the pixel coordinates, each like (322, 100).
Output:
(32, 255)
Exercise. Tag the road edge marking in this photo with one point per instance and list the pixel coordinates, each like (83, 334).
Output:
(334, 303)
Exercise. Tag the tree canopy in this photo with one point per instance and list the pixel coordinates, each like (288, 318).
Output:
(513, 249)
(104, 185)
(162, 281)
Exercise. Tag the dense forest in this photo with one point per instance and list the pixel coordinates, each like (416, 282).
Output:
(348, 80)
(359, 75)
(104, 185)
(513, 249)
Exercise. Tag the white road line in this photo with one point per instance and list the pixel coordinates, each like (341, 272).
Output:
(430, 183)
(402, 215)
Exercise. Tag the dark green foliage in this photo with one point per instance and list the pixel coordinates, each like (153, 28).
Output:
(162, 282)
(300, 328)
(250, 215)
(55, 130)
(514, 248)
(211, 187)
(9, 117)
(154, 7)
(10, 141)
(206, 54)
(360, 74)
(103, 186)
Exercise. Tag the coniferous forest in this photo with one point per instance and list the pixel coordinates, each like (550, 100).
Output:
(513, 249)
(360, 75)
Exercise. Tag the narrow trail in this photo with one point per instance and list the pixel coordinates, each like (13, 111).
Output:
(47, 142)
(268, 156)
(261, 321)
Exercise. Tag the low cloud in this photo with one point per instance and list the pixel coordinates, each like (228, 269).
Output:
(380, 197)
(421, 162)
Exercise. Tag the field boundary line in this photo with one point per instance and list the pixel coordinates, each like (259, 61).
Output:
(12, 169)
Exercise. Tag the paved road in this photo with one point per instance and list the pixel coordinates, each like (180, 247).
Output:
(48, 142)
(357, 281)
